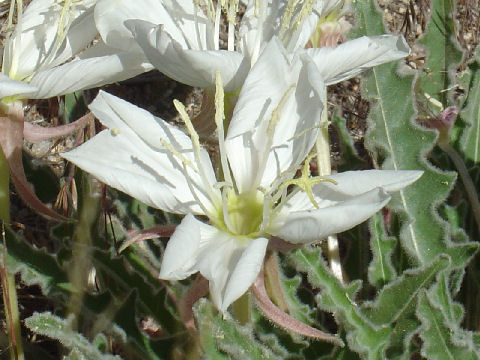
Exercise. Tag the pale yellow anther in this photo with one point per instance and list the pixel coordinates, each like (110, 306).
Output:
(276, 112)
(305, 182)
(188, 124)
(174, 152)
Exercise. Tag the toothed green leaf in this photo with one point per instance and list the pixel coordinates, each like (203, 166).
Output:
(393, 136)
(363, 337)
(60, 329)
(399, 297)
(380, 270)
(224, 338)
(442, 52)
(470, 140)
(436, 335)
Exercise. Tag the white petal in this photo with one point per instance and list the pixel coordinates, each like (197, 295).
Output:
(245, 272)
(257, 154)
(177, 18)
(130, 157)
(182, 250)
(34, 40)
(352, 57)
(88, 73)
(353, 183)
(230, 264)
(313, 225)
(189, 66)
(9, 87)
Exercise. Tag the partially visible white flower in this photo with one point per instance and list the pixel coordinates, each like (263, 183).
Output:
(273, 128)
(182, 41)
(44, 52)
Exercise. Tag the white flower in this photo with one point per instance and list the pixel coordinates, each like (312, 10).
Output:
(40, 56)
(182, 41)
(273, 128)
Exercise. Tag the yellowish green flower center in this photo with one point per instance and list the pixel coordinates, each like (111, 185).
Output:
(241, 214)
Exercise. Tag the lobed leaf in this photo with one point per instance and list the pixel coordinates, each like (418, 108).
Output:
(404, 145)
(380, 270)
(470, 140)
(60, 329)
(224, 338)
(398, 297)
(363, 336)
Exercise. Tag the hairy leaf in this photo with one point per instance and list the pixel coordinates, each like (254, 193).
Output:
(363, 336)
(225, 339)
(404, 145)
(398, 298)
(380, 270)
(60, 329)
(470, 140)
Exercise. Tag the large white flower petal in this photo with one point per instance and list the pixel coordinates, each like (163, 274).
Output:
(260, 146)
(352, 57)
(180, 257)
(353, 183)
(189, 66)
(131, 158)
(177, 18)
(115, 161)
(88, 73)
(33, 41)
(9, 87)
(313, 225)
(245, 272)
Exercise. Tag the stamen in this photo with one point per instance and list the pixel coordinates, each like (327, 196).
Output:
(186, 163)
(216, 31)
(12, 71)
(275, 118)
(276, 112)
(226, 217)
(305, 182)
(219, 118)
(196, 144)
(174, 152)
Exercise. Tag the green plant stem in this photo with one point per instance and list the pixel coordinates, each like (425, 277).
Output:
(466, 178)
(9, 292)
(324, 168)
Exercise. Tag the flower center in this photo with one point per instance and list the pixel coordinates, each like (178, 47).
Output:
(241, 214)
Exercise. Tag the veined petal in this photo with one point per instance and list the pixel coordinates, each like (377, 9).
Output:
(34, 38)
(189, 66)
(353, 183)
(9, 87)
(179, 18)
(313, 225)
(180, 256)
(352, 57)
(260, 146)
(230, 264)
(130, 157)
(245, 272)
(88, 73)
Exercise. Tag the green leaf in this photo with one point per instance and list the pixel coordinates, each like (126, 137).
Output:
(296, 307)
(363, 337)
(443, 52)
(223, 338)
(436, 335)
(380, 270)
(393, 136)
(398, 298)
(36, 267)
(60, 329)
(470, 140)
